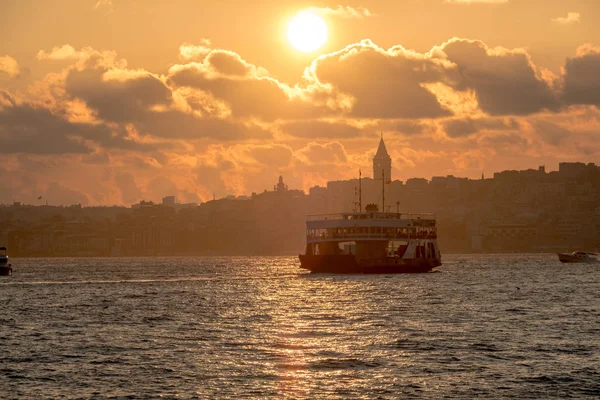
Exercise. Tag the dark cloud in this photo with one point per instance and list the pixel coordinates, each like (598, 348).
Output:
(228, 63)
(505, 140)
(176, 124)
(118, 100)
(321, 129)
(581, 79)
(455, 128)
(551, 133)
(460, 127)
(131, 97)
(28, 129)
(25, 129)
(405, 127)
(505, 82)
(384, 84)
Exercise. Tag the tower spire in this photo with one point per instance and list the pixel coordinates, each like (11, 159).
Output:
(382, 162)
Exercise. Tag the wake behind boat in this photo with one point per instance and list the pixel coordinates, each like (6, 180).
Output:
(578, 257)
(5, 266)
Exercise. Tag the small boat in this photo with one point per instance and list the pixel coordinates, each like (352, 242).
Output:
(578, 257)
(5, 266)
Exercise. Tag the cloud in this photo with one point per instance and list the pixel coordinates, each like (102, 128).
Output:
(404, 127)
(64, 52)
(272, 155)
(383, 83)
(211, 177)
(26, 129)
(455, 128)
(215, 122)
(341, 12)
(10, 66)
(229, 63)
(571, 18)
(321, 129)
(104, 4)
(581, 84)
(143, 99)
(476, 1)
(192, 52)
(507, 141)
(118, 95)
(551, 133)
(86, 58)
(247, 92)
(505, 81)
(323, 154)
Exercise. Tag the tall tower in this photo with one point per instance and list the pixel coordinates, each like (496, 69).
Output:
(382, 162)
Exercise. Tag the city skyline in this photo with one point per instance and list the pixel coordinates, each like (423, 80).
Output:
(129, 100)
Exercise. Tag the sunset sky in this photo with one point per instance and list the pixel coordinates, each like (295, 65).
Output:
(111, 102)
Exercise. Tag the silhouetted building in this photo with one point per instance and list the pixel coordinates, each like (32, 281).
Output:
(382, 162)
(168, 201)
(280, 187)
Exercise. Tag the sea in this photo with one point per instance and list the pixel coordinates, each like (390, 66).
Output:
(520, 326)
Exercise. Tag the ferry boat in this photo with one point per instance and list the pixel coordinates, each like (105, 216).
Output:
(578, 257)
(5, 266)
(371, 242)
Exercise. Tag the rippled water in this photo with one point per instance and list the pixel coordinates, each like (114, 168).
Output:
(494, 326)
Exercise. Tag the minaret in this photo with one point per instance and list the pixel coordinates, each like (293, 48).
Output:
(382, 161)
(280, 187)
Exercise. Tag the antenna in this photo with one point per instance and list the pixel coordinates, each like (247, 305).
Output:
(359, 191)
(382, 189)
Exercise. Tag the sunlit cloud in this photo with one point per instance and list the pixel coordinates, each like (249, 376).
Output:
(476, 1)
(10, 66)
(571, 18)
(64, 52)
(342, 12)
(104, 4)
(188, 51)
(214, 122)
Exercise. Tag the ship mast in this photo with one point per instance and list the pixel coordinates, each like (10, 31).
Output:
(359, 191)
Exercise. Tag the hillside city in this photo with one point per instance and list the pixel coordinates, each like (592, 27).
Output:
(514, 211)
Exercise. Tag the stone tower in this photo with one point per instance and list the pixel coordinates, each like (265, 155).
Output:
(382, 162)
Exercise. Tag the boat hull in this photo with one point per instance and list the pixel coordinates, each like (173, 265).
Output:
(347, 264)
(570, 258)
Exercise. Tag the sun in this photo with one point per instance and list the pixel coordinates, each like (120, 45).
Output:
(307, 32)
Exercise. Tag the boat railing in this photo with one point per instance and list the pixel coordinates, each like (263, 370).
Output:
(346, 236)
(371, 215)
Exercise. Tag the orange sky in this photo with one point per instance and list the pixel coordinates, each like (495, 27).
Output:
(110, 102)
